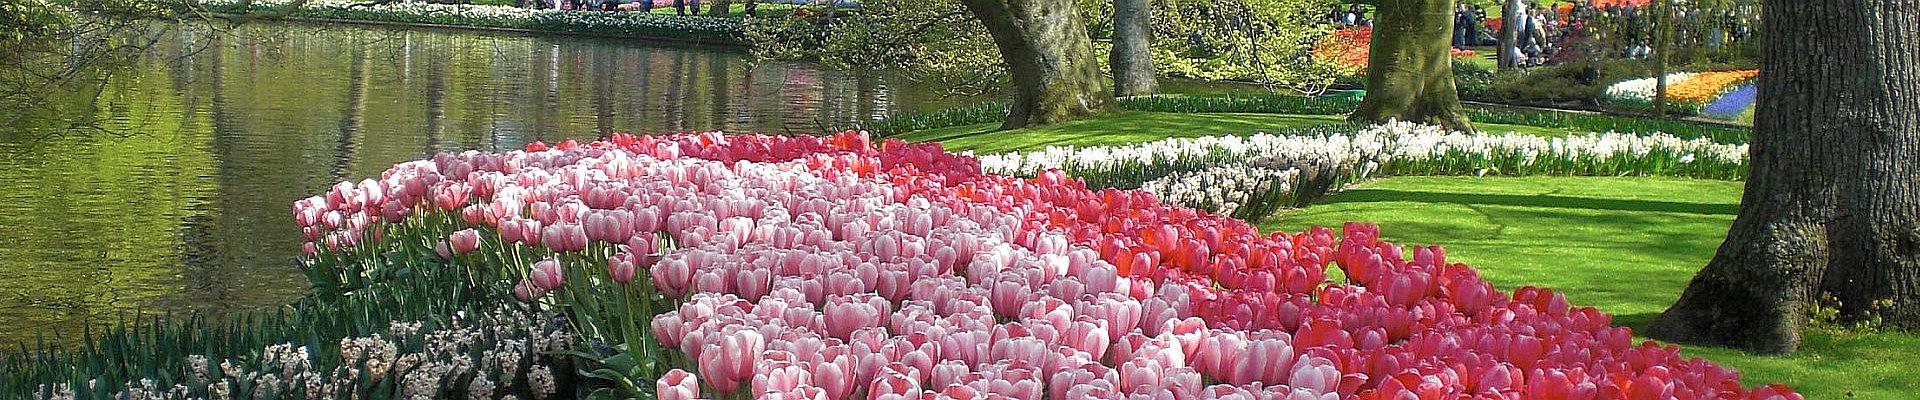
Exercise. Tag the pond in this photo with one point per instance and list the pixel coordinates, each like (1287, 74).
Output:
(161, 181)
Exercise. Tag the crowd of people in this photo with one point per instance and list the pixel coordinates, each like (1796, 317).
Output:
(1581, 29)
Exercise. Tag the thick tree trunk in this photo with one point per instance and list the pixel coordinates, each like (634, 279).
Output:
(1510, 33)
(1132, 57)
(721, 8)
(1051, 61)
(1832, 198)
(1410, 66)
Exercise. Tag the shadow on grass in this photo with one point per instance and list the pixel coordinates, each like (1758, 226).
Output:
(1544, 200)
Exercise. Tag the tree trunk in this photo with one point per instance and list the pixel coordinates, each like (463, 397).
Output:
(1049, 58)
(1410, 66)
(751, 9)
(1833, 189)
(721, 8)
(1132, 57)
(1510, 33)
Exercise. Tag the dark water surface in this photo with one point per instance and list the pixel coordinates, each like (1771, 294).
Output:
(161, 181)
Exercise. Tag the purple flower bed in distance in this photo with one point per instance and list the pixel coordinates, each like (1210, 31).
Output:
(1731, 105)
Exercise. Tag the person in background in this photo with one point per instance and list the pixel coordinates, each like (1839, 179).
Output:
(1462, 19)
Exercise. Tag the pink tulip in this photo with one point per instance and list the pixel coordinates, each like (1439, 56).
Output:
(442, 251)
(893, 386)
(526, 291)
(464, 241)
(450, 196)
(672, 277)
(846, 314)
(620, 267)
(564, 237)
(677, 385)
(835, 376)
(729, 362)
(547, 274)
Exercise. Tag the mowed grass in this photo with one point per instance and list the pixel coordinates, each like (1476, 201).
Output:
(1131, 127)
(1625, 245)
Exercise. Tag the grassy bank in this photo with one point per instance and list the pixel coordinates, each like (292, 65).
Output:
(1625, 245)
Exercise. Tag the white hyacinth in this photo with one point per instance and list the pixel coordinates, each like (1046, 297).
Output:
(1229, 174)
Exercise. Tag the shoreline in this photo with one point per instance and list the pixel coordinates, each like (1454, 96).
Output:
(684, 40)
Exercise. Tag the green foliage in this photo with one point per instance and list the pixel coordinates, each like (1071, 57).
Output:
(626, 24)
(1826, 314)
(1473, 80)
(22, 19)
(1578, 83)
(983, 113)
(356, 293)
(1264, 41)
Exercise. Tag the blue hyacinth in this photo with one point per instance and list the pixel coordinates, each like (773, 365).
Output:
(1730, 105)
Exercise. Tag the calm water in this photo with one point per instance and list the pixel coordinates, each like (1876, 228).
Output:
(161, 180)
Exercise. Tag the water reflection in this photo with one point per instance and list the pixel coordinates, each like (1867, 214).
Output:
(163, 183)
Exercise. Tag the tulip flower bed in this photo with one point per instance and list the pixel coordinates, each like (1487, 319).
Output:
(823, 268)
(1349, 48)
(1686, 91)
(1248, 177)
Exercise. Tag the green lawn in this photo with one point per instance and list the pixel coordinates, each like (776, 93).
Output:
(1129, 127)
(1625, 245)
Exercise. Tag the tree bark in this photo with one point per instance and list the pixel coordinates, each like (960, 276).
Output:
(1410, 66)
(721, 8)
(1832, 196)
(1132, 57)
(1510, 33)
(1049, 58)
